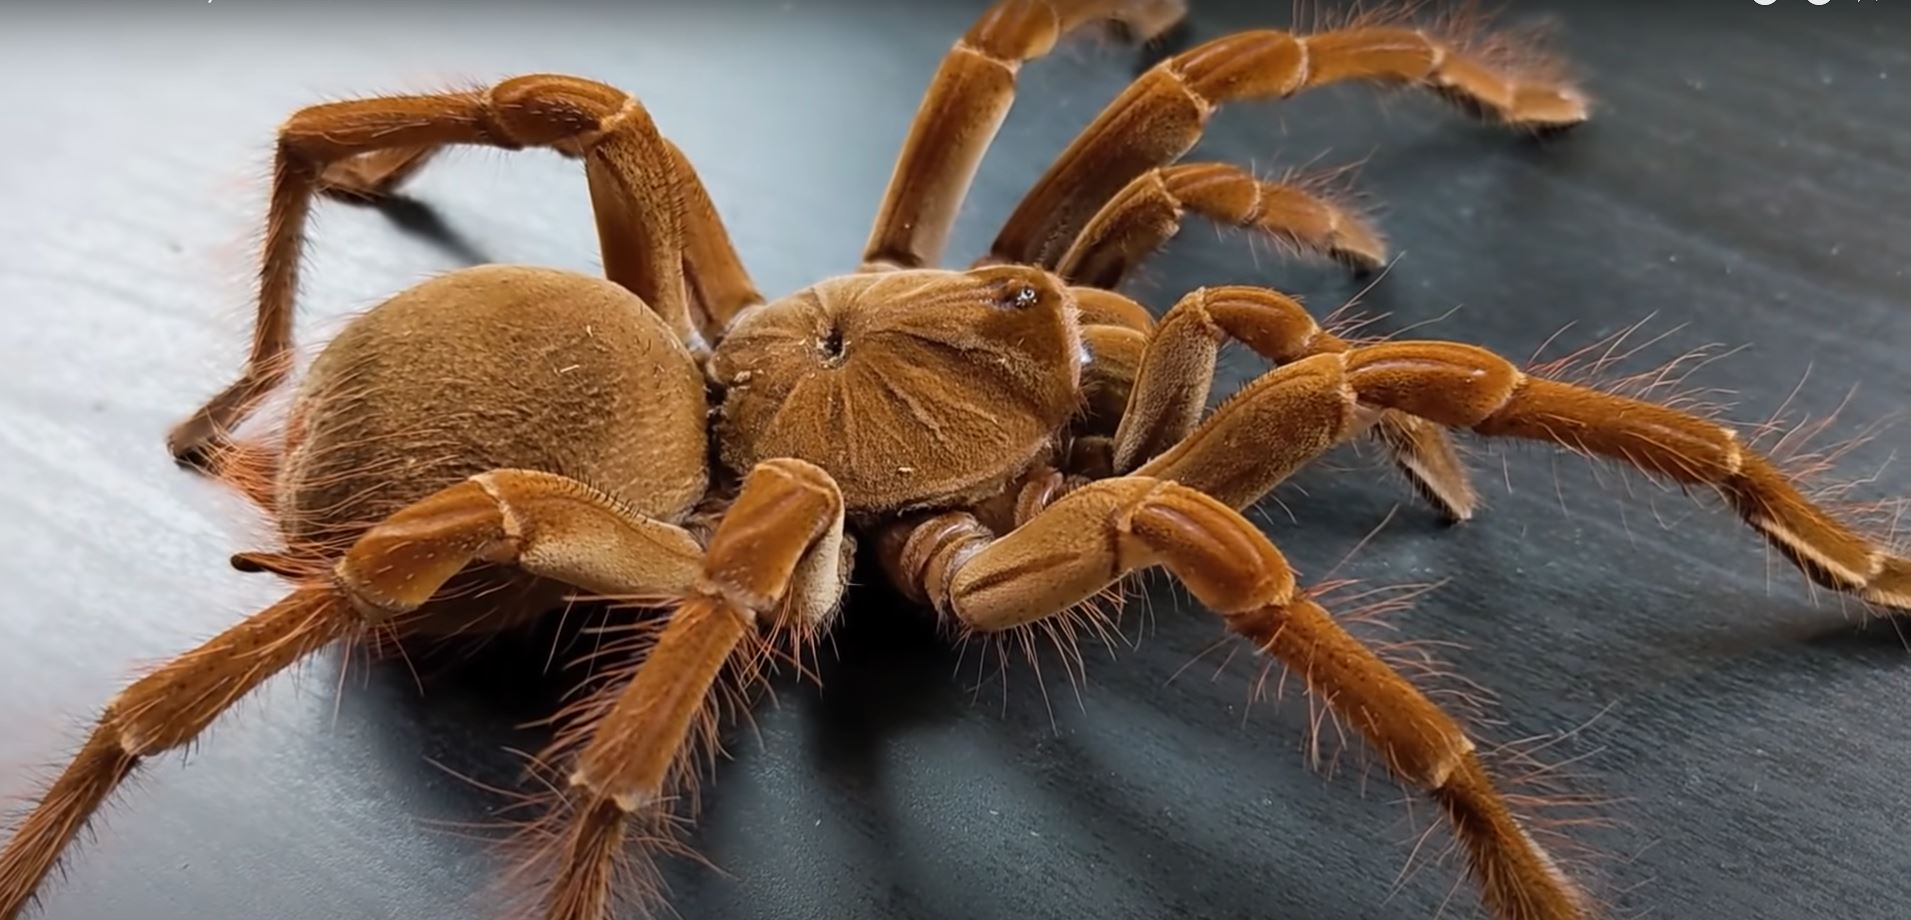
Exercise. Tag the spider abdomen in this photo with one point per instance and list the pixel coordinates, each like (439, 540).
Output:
(494, 367)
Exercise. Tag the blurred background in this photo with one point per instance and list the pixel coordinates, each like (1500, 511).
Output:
(1743, 189)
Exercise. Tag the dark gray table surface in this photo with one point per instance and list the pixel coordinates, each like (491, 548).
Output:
(1747, 182)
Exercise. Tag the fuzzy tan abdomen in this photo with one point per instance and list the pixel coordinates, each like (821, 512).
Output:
(487, 368)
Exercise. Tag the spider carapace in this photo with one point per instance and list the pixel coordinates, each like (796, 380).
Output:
(1007, 442)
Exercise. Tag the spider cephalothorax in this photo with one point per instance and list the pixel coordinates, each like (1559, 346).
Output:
(919, 388)
(1010, 441)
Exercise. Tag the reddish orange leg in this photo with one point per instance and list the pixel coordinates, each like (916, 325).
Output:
(1115, 330)
(1092, 537)
(1160, 116)
(1147, 213)
(376, 175)
(546, 525)
(777, 558)
(1295, 413)
(1170, 390)
(720, 287)
(641, 189)
(964, 108)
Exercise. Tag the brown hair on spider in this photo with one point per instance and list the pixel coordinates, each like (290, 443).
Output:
(1012, 440)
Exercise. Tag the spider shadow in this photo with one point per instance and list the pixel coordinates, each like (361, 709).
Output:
(454, 726)
(894, 675)
(831, 735)
(457, 722)
(420, 220)
(887, 675)
(1223, 860)
(1793, 644)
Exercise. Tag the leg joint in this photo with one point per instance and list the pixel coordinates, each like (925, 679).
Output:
(1224, 561)
(542, 110)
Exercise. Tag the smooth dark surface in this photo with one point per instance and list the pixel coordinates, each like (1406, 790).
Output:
(1746, 182)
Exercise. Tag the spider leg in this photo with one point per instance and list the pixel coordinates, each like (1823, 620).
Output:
(1094, 536)
(1108, 380)
(653, 216)
(1170, 389)
(545, 524)
(1103, 307)
(370, 177)
(1162, 114)
(1116, 332)
(777, 557)
(964, 107)
(1147, 212)
(1295, 413)
(548, 525)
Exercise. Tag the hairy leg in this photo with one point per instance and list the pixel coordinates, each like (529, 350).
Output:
(1291, 415)
(720, 287)
(545, 524)
(372, 176)
(1170, 389)
(776, 559)
(1092, 537)
(965, 106)
(1160, 116)
(1147, 213)
(641, 190)
(1102, 307)
(1108, 380)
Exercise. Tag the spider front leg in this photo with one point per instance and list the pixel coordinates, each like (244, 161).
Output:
(1160, 116)
(1147, 213)
(659, 233)
(1291, 415)
(1170, 391)
(1106, 530)
(778, 560)
(964, 107)
(544, 524)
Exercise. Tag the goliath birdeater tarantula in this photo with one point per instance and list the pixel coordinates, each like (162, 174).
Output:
(1006, 442)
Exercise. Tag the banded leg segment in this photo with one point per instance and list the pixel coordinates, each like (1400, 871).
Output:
(1297, 412)
(720, 287)
(164, 710)
(964, 107)
(1160, 116)
(637, 189)
(1147, 213)
(1171, 391)
(1465, 386)
(546, 524)
(777, 555)
(1096, 535)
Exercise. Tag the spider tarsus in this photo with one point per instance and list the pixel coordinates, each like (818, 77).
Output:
(194, 453)
(583, 888)
(1518, 879)
(1891, 587)
(36, 845)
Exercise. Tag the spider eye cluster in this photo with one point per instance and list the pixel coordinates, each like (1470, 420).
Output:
(1020, 295)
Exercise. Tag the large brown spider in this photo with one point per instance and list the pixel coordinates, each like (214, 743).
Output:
(1011, 440)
